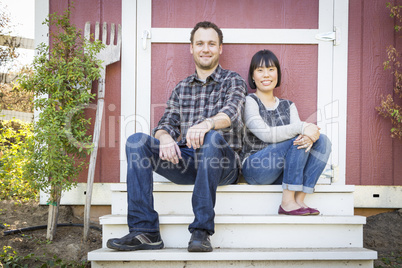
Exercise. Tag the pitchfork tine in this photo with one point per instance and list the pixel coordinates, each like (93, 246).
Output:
(104, 33)
(87, 31)
(119, 37)
(112, 34)
(97, 31)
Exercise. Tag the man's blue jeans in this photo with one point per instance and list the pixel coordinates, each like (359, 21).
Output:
(207, 167)
(298, 170)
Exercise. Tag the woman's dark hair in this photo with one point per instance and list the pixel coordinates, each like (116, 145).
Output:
(207, 25)
(263, 58)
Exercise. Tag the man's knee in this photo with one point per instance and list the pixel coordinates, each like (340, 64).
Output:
(137, 149)
(214, 140)
(137, 140)
(216, 152)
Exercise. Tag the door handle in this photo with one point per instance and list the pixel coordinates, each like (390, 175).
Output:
(331, 36)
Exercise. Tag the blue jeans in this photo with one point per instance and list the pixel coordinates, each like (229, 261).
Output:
(298, 170)
(207, 167)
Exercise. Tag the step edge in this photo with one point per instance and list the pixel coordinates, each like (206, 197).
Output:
(243, 187)
(113, 219)
(170, 254)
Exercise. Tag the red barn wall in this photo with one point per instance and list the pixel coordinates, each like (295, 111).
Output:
(299, 63)
(373, 157)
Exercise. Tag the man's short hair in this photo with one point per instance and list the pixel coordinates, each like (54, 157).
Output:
(207, 25)
(263, 58)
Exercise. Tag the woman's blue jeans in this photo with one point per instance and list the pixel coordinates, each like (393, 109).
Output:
(212, 165)
(298, 170)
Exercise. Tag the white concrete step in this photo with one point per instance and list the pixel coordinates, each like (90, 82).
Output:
(273, 231)
(234, 258)
(239, 199)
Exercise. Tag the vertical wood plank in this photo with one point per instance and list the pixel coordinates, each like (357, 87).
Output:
(376, 145)
(354, 121)
(397, 144)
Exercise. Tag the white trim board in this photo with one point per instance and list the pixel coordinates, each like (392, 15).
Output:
(378, 197)
(128, 78)
(101, 195)
(241, 36)
(364, 196)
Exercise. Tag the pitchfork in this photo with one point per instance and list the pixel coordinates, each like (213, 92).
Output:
(110, 54)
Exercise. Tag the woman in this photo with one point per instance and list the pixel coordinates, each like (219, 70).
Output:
(277, 145)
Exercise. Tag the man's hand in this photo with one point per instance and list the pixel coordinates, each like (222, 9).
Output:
(303, 142)
(312, 131)
(195, 134)
(168, 149)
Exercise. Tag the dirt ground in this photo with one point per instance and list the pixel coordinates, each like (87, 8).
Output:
(383, 233)
(67, 245)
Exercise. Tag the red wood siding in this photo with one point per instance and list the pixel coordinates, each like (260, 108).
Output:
(107, 166)
(372, 157)
(298, 63)
(268, 14)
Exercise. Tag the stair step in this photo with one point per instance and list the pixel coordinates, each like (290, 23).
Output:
(239, 199)
(275, 257)
(255, 231)
(241, 187)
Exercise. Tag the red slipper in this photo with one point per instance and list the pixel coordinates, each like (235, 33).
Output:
(313, 211)
(296, 212)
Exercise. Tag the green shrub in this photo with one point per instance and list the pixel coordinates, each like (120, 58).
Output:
(13, 159)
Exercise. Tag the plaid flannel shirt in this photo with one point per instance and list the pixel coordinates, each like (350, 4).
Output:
(193, 100)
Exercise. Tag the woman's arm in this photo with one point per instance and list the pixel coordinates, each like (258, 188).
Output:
(309, 129)
(266, 133)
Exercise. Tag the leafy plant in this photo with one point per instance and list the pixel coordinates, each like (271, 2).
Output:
(389, 107)
(10, 258)
(13, 152)
(64, 73)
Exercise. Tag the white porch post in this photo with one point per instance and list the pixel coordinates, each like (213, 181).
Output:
(128, 79)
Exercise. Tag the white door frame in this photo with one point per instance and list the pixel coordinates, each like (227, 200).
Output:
(332, 63)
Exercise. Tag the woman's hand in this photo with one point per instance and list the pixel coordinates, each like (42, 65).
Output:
(312, 131)
(303, 142)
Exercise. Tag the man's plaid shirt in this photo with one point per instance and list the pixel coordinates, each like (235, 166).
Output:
(193, 100)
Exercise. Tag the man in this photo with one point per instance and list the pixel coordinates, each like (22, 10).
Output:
(204, 114)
